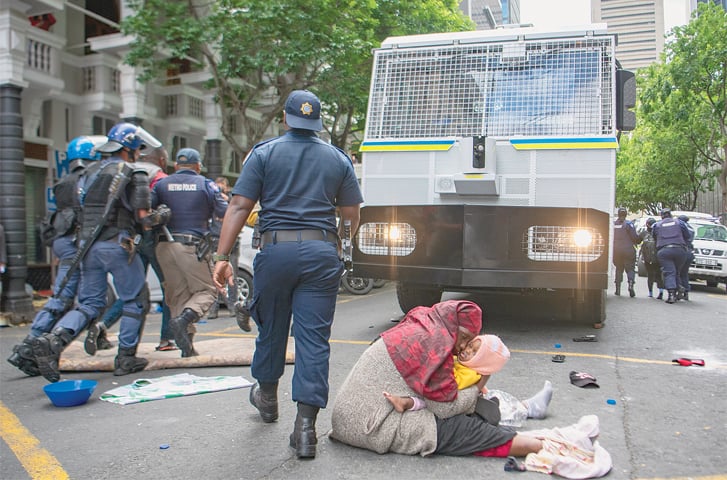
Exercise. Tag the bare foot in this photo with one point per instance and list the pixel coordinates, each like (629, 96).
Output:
(401, 404)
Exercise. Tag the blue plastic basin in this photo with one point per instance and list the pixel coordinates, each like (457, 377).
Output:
(70, 393)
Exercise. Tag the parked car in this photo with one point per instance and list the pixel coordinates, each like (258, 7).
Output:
(709, 247)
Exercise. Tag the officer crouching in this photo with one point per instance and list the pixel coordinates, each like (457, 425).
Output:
(183, 250)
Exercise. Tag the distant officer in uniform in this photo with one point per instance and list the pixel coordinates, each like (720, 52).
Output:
(193, 200)
(115, 201)
(672, 238)
(625, 239)
(299, 181)
(684, 287)
(59, 230)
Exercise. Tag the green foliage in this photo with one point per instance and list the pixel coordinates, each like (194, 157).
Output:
(258, 51)
(678, 148)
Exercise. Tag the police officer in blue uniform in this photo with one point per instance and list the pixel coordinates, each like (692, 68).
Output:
(116, 198)
(193, 200)
(299, 181)
(672, 238)
(625, 239)
(684, 287)
(59, 231)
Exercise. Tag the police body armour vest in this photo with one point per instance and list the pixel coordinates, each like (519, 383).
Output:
(95, 200)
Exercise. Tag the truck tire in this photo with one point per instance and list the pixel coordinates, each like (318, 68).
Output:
(411, 295)
(588, 306)
(712, 283)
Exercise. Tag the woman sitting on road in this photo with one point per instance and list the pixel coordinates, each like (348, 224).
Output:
(415, 358)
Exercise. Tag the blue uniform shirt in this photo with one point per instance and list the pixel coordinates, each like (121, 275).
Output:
(299, 180)
(624, 236)
(193, 200)
(670, 231)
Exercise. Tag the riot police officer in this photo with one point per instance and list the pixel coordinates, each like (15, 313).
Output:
(299, 181)
(59, 231)
(672, 238)
(184, 258)
(625, 239)
(115, 201)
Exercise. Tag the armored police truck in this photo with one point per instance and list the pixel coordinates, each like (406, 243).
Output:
(489, 164)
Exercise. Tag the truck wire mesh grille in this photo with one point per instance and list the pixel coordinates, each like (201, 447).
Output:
(529, 88)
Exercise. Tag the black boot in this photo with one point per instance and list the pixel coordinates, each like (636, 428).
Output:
(685, 296)
(103, 342)
(632, 293)
(23, 357)
(264, 397)
(303, 439)
(47, 352)
(242, 315)
(618, 289)
(90, 345)
(680, 293)
(661, 294)
(214, 311)
(127, 362)
(672, 298)
(180, 329)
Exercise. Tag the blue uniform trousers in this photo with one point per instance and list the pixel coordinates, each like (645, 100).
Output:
(64, 248)
(671, 260)
(684, 272)
(129, 280)
(624, 260)
(299, 279)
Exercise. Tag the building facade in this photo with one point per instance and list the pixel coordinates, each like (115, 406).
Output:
(62, 75)
(488, 14)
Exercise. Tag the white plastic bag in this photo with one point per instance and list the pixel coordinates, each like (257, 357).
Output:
(513, 412)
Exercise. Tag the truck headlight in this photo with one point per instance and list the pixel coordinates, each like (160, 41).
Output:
(382, 238)
(556, 243)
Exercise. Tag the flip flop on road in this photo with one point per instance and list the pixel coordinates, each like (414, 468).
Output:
(586, 338)
(688, 362)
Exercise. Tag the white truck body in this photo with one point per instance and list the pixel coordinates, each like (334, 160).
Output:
(489, 162)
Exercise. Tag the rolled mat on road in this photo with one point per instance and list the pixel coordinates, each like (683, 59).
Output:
(217, 352)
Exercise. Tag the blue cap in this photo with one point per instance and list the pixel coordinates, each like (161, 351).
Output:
(303, 110)
(188, 156)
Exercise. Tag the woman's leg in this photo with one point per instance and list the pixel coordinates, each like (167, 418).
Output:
(523, 444)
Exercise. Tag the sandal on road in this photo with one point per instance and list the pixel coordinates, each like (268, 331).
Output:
(166, 347)
(688, 362)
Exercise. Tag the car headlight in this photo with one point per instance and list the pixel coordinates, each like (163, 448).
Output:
(382, 238)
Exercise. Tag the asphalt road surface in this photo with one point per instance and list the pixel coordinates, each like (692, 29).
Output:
(665, 421)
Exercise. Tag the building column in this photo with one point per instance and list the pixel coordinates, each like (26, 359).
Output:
(14, 300)
(213, 158)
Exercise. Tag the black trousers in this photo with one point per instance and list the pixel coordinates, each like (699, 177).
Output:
(466, 434)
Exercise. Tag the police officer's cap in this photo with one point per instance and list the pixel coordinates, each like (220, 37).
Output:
(665, 213)
(188, 156)
(303, 110)
(683, 218)
(622, 212)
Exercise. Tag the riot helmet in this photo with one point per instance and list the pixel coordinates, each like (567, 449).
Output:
(128, 135)
(683, 218)
(80, 149)
(666, 213)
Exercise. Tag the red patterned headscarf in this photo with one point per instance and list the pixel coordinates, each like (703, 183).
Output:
(422, 345)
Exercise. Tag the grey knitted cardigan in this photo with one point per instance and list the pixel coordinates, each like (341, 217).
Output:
(363, 418)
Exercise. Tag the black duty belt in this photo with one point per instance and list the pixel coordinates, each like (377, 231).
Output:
(182, 238)
(674, 245)
(297, 236)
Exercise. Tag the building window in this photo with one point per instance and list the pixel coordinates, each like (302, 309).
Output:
(89, 79)
(196, 108)
(115, 80)
(172, 105)
(101, 125)
(178, 143)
